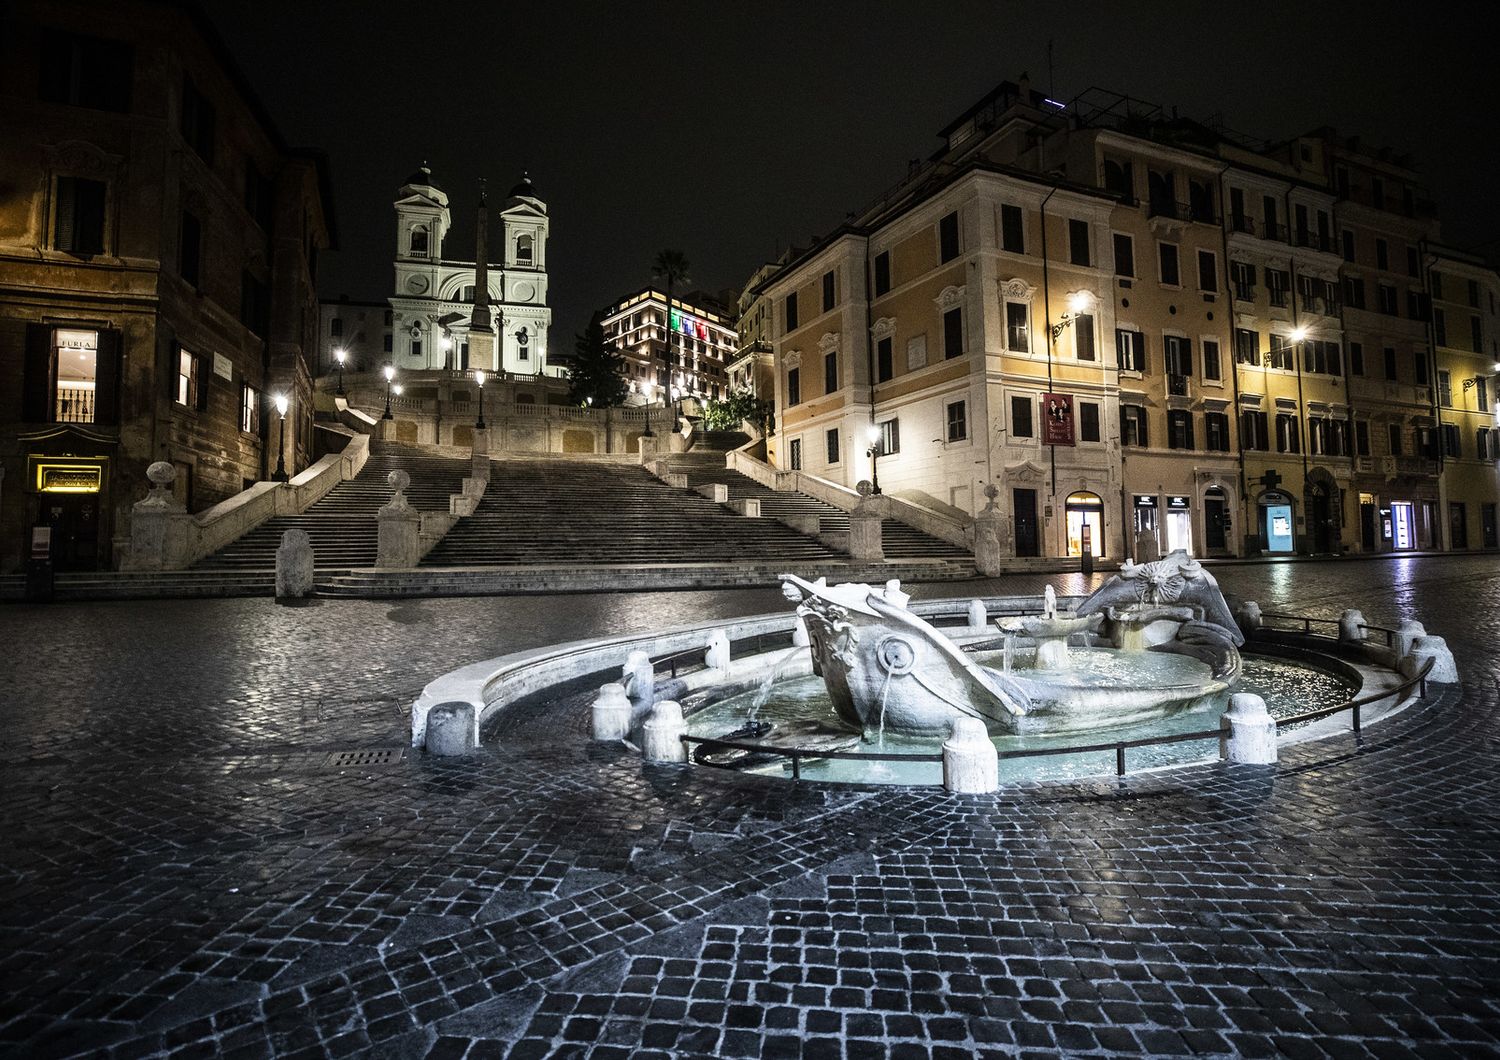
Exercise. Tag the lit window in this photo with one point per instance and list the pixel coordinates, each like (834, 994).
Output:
(187, 379)
(77, 354)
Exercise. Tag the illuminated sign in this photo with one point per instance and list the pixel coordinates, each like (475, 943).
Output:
(68, 478)
(1179, 504)
(692, 326)
(70, 341)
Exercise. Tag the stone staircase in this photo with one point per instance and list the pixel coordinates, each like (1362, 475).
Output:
(342, 524)
(899, 541)
(562, 513)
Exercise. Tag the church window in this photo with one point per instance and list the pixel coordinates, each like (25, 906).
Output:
(523, 249)
(419, 241)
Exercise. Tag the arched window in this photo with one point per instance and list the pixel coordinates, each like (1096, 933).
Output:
(419, 241)
(467, 294)
(523, 250)
(1085, 513)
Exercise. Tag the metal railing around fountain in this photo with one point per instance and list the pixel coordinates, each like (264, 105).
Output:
(1221, 732)
(1307, 622)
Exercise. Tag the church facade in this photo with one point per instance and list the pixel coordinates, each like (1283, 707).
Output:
(434, 309)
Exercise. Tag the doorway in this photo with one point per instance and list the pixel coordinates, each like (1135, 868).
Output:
(1320, 521)
(1403, 526)
(1367, 522)
(1180, 524)
(74, 519)
(1085, 524)
(1277, 533)
(1215, 521)
(1027, 538)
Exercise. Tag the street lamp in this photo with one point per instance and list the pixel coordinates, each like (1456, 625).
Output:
(648, 391)
(341, 355)
(447, 346)
(873, 434)
(479, 378)
(1078, 301)
(282, 402)
(389, 371)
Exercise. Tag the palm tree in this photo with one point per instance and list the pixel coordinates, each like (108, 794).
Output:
(671, 267)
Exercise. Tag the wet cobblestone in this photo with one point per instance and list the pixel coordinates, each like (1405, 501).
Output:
(183, 874)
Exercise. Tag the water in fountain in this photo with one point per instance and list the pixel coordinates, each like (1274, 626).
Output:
(763, 693)
(1009, 651)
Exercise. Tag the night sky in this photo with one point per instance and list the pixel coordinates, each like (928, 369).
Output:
(728, 131)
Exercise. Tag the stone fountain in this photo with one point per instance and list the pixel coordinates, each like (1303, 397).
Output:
(1051, 632)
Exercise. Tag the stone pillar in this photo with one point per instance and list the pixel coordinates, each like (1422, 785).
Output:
(800, 637)
(1247, 614)
(989, 537)
(479, 456)
(1406, 635)
(400, 539)
(158, 525)
(647, 447)
(661, 735)
(639, 680)
(971, 765)
(865, 537)
(450, 730)
(1350, 627)
(1444, 669)
(979, 618)
(612, 713)
(1252, 730)
(294, 565)
(717, 657)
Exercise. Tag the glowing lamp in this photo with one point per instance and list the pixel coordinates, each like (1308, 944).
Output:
(1298, 334)
(479, 376)
(398, 389)
(341, 355)
(872, 432)
(389, 371)
(282, 402)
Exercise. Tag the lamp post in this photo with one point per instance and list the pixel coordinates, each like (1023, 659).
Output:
(479, 378)
(873, 433)
(341, 355)
(1077, 303)
(446, 342)
(389, 371)
(282, 403)
(648, 390)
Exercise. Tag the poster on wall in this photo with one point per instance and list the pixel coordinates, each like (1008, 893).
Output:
(1057, 419)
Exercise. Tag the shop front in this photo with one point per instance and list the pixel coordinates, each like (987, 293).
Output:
(1278, 528)
(1085, 524)
(67, 498)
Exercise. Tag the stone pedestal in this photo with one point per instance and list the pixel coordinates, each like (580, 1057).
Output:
(1406, 635)
(1444, 669)
(1351, 630)
(479, 456)
(1252, 730)
(865, 536)
(971, 765)
(661, 735)
(399, 544)
(158, 525)
(639, 680)
(1247, 614)
(450, 730)
(717, 657)
(989, 535)
(294, 565)
(611, 714)
(648, 447)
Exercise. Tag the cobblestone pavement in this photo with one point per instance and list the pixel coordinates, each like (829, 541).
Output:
(183, 873)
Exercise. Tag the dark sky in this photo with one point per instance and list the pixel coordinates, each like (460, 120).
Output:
(727, 130)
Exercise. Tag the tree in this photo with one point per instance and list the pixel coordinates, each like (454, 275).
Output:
(597, 371)
(728, 414)
(671, 267)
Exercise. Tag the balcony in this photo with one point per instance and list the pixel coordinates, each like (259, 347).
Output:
(1182, 211)
(75, 404)
(1241, 223)
(1316, 241)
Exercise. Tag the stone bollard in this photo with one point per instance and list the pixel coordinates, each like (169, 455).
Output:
(971, 765)
(1406, 634)
(978, 617)
(1252, 731)
(1444, 669)
(717, 657)
(1350, 623)
(989, 536)
(1248, 616)
(639, 679)
(661, 735)
(450, 730)
(294, 565)
(800, 637)
(865, 533)
(399, 533)
(612, 713)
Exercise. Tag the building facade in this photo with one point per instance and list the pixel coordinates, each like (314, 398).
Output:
(158, 253)
(364, 331)
(1147, 334)
(703, 344)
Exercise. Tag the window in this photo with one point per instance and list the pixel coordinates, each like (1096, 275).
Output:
(1413, 263)
(1445, 389)
(1450, 440)
(1124, 255)
(1117, 178)
(1349, 245)
(389, 339)
(198, 120)
(1387, 299)
(1133, 426)
(190, 253)
(1474, 294)
(1321, 356)
(1083, 337)
(416, 349)
(1482, 443)
(953, 332)
(1362, 437)
(78, 216)
(948, 238)
(830, 372)
(418, 241)
(890, 437)
(1246, 346)
(1208, 271)
(1288, 438)
(1354, 292)
(1437, 284)
(260, 197)
(1394, 439)
(1476, 335)
(1253, 430)
(1440, 327)
(1017, 327)
(1390, 363)
(1177, 356)
(831, 444)
(958, 421)
(794, 453)
(1281, 354)
(187, 379)
(1357, 358)
(1088, 421)
(255, 304)
(1179, 429)
(791, 311)
(794, 386)
(1382, 254)
(1012, 229)
(249, 409)
(1481, 393)
(74, 361)
(882, 272)
(1211, 369)
(828, 291)
(1162, 195)
(86, 71)
(1216, 432)
(1201, 200)
(1279, 286)
(1020, 417)
(1419, 366)
(1170, 275)
(336, 327)
(1130, 350)
(1078, 242)
(884, 361)
(1273, 225)
(1242, 275)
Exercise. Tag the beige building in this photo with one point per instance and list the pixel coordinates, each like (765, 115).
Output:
(702, 346)
(158, 249)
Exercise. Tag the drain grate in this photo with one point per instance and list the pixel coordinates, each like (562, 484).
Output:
(365, 756)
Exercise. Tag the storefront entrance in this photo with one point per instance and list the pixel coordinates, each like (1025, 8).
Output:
(1367, 516)
(1319, 519)
(1277, 532)
(1180, 524)
(1085, 513)
(1027, 538)
(1215, 521)
(74, 519)
(1403, 526)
